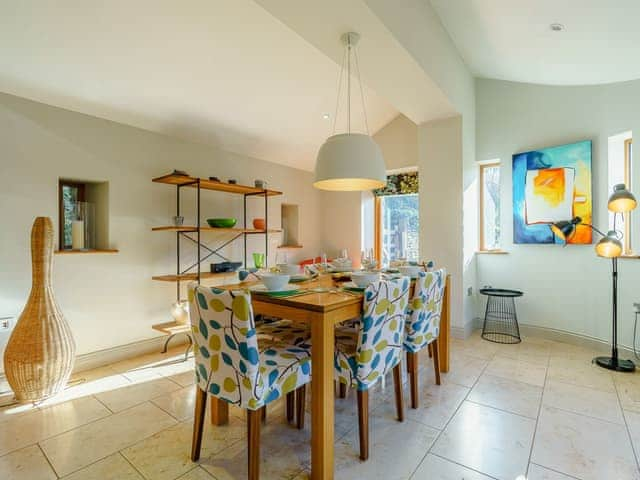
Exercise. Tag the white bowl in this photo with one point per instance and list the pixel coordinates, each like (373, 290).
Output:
(275, 281)
(288, 269)
(411, 271)
(362, 278)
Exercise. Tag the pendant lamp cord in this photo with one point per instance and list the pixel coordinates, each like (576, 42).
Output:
(364, 110)
(335, 115)
(346, 59)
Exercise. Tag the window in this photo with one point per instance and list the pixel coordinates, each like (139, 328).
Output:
(490, 206)
(620, 162)
(397, 219)
(70, 194)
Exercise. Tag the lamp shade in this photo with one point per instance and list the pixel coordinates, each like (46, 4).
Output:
(350, 162)
(565, 229)
(621, 200)
(609, 246)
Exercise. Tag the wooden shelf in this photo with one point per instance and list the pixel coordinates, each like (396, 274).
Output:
(287, 247)
(87, 251)
(187, 228)
(171, 328)
(207, 184)
(192, 276)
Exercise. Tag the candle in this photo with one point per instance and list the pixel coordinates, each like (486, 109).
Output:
(77, 234)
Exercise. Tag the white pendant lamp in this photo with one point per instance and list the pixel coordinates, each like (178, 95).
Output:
(350, 161)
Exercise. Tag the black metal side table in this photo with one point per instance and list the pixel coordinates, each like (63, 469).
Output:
(500, 319)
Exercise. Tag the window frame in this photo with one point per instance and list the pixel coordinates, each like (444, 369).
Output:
(481, 218)
(81, 198)
(628, 158)
(377, 226)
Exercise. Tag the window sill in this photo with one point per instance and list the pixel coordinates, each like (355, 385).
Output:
(89, 250)
(491, 252)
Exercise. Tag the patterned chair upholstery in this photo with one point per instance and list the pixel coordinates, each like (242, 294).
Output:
(362, 360)
(234, 367)
(423, 324)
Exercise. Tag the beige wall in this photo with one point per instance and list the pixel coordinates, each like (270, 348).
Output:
(110, 300)
(398, 141)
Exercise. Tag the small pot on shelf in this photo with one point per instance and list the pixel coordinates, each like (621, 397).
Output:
(259, 224)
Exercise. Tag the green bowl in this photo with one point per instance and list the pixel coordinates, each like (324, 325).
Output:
(221, 222)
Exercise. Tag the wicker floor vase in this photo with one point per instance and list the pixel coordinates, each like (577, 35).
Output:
(40, 354)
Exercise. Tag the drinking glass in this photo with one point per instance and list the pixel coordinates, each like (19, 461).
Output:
(258, 260)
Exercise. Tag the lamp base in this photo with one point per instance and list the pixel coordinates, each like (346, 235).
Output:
(615, 364)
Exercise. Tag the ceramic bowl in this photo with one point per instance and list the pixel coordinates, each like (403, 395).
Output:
(221, 222)
(362, 278)
(288, 269)
(259, 224)
(275, 281)
(410, 270)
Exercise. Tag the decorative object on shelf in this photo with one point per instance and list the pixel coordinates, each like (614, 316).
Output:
(621, 201)
(180, 312)
(180, 173)
(232, 181)
(40, 354)
(260, 184)
(259, 224)
(225, 267)
(258, 260)
(178, 220)
(82, 226)
(399, 183)
(214, 179)
(350, 161)
(221, 222)
(550, 185)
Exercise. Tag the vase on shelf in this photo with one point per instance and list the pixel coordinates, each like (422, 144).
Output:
(41, 351)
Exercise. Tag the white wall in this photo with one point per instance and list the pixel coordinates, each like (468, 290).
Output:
(110, 300)
(565, 288)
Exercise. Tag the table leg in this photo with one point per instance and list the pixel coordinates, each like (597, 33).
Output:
(445, 326)
(322, 400)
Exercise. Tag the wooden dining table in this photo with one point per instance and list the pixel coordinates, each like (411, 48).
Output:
(322, 311)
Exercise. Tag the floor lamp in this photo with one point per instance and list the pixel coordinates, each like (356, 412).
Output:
(609, 246)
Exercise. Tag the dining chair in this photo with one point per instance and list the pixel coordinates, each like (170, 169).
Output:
(423, 325)
(232, 366)
(364, 358)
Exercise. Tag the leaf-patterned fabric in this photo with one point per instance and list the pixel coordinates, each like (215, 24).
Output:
(362, 360)
(425, 308)
(293, 333)
(229, 363)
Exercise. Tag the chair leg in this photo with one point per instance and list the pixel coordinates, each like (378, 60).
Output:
(436, 361)
(290, 406)
(430, 350)
(397, 383)
(342, 390)
(254, 418)
(219, 411)
(264, 414)
(198, 423)
(300, 404)
(363, 423)
(412, 360)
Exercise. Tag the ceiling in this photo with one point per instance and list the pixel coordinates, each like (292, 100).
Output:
(512, 39)
(224, 72)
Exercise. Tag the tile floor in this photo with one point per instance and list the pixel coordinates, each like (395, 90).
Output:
(534, 411)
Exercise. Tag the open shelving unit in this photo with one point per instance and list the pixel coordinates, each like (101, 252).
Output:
(194, 233)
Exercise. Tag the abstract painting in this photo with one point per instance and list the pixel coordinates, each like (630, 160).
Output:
(549, 185)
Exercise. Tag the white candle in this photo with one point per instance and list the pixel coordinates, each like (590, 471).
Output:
(77, 234)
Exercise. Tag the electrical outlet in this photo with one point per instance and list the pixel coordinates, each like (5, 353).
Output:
(5, 323)
(469, 291)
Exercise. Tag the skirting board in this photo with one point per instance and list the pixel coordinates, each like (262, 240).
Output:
(100, 358)
(566, 337)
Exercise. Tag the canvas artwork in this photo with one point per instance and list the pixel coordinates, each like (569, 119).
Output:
(549, 185)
